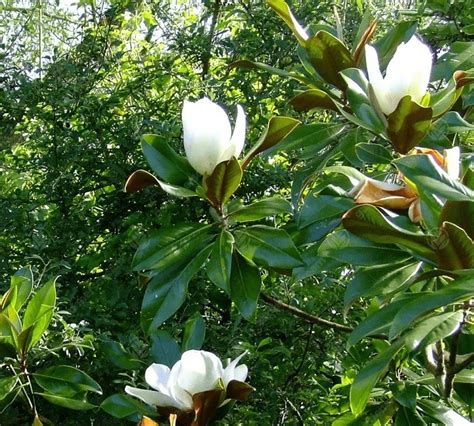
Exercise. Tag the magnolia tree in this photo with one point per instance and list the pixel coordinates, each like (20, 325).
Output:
(383, 192)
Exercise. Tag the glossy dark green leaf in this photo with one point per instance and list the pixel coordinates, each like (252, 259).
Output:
(368, 377)
(329, 56)
(39, 311)
(309, 139)
(164, 161)
(284, 12)
(267, 246)
(223, 182)
(357, 93)
(319, 207)
(407, 417)
(379, 280)
(460, 213)
(7, 384)
(455, 249)
(142, 179)
(245, 283)
(432, 329)
(387, 44)
(347, 247)
(220, 262)
(314, 264)
(379, 321)
(443, 100)
(423, 171)
(446, 416)
(194, 332)
(64, 380)
(405, 394)
(170, 245)
(408, 124)
(278, 128)
(70, 403)
(122, 406)
(116, 354)
(456, 291)
(261, 209)
(369, 222)
(166, 292)
(23, 281)
(373, 153)
(164, 349)
(313, 98)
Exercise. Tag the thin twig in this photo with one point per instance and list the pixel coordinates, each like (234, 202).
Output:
(310, 317)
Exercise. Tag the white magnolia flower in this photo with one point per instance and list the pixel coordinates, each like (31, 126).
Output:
(408, 73)
(208, 140)
(196, 372)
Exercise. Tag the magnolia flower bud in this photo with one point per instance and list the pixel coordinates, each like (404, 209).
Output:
(408, 73)
(195, 372)
(207, 135)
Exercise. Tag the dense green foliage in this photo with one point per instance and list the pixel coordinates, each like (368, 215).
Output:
(77, 92)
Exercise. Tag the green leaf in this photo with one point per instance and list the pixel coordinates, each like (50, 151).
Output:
(357, 93)
(166, 292)
(320, 207)
(268, 246)
(456, 291)
(170, 245)
(261, 209)
(379, 281)
(368, 222)
(379, 321)
(245, 283)
(70, 403)
(64, 380)
(347, 247)
(164, 349)
(284, 12)
(425, 173)
(141, 179)
(309, 139)
(387, 44)
(116, 353)
(39, 311)
(441, 413)
(23, 281)
(373, 153)
(329, 56)
(460, 213)
(245, 64)
(314, 264)
(313, 98)
(164, 161)
(194, 332)
(7, 384)
(408, 124)
(458, 57)
(369, 376)
(122, 406)
(455, 250)
(220, 263)
(223, 182)
(444, 99)
(432, 329)
(407, 417)
(277, 129)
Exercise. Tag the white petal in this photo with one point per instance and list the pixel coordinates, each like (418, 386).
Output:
(238, 137)
(183, 398)
(153, 398)
(206, 134)
(200, 371)
(452, 162)
(376, 79)
(156, 376)
(232, 372)
(408, 71)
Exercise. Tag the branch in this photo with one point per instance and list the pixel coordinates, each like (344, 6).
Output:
(307, 316)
